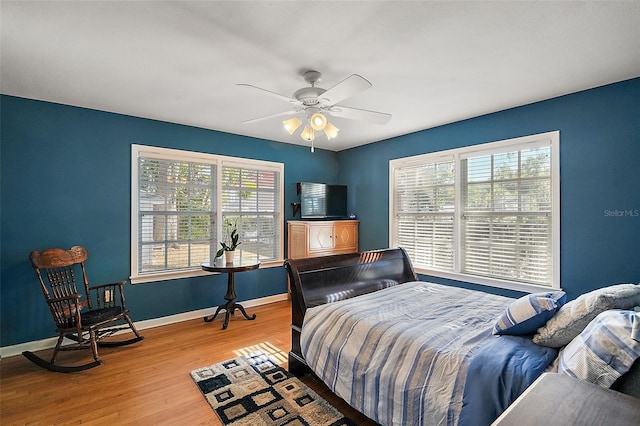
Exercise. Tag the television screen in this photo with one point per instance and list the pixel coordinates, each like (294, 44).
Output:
(322, 201)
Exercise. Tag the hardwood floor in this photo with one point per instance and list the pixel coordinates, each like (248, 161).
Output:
(147, 383)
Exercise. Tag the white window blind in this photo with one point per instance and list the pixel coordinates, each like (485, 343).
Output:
(506, 212)
(250, 201)
(487, 214)
(424, 212)
(176, 215)
(181, 201)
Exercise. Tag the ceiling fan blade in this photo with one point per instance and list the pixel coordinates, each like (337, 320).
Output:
(267, 117)
(345, 89)
(273, 94)
(360, 114)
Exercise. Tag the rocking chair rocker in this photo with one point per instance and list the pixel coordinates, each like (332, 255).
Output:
(85, 320)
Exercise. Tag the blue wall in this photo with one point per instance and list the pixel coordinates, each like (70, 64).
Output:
(66, 179)
(599, 172)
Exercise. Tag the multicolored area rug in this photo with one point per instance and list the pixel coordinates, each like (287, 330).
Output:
(253, 390)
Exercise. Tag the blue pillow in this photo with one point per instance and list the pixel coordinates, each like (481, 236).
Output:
(528, 313)
(604, 351)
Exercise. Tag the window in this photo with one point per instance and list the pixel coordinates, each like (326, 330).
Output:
(180, 201)
(487, 214)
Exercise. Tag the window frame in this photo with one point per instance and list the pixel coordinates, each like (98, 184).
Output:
(551, 139)
(220, 161)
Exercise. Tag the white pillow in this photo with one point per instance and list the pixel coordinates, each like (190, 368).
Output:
(574, 316)
(605, 349)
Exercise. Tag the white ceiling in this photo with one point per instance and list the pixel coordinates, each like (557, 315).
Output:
(430, 63)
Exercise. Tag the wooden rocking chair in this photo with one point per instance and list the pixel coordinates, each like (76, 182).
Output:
(86, 320)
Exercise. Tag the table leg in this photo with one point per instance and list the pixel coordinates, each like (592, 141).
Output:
(247, 316)
(212, 317)
(230, 306)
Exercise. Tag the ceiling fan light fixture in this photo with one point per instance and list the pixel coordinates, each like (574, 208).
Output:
(307, 134)
(292, 124)
(315, 102)
(318, 121)
(331, 131)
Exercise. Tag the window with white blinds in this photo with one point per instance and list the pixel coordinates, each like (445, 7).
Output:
(251, 202)
(424, 205)
(487, 214)
(182, 200)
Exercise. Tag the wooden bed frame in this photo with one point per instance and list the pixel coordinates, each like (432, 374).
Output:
(319, 280)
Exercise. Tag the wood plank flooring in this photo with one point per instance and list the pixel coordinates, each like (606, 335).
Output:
(147, 383)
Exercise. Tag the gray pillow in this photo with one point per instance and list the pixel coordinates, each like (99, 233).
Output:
(574, 316)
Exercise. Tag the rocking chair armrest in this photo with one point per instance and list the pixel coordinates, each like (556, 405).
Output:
(109, 295)
(117, 283)
(64, 308)
(75, 297)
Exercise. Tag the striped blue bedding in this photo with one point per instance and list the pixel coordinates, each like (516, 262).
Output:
(401, 355)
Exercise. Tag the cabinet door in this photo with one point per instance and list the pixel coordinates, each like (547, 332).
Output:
(346, 235)
(321, 236)
(297, 244)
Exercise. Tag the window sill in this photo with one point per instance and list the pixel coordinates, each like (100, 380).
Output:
(491, 282)
(195, 272)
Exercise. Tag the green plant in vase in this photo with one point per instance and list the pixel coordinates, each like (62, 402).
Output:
(230, 243)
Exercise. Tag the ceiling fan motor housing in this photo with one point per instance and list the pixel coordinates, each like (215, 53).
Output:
(309, 95)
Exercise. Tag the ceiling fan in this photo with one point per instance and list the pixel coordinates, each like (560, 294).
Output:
(312, 103)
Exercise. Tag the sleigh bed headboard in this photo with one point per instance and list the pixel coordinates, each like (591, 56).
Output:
(319, 280)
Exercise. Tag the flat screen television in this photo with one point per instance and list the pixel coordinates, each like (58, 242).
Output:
(322, 201)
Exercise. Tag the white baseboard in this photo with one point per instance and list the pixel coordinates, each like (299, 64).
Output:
(38, 345)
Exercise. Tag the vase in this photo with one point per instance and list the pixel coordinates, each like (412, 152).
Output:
(229, 255)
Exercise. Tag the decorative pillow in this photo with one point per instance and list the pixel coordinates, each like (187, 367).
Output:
(605, 349)
(528, 313)
(574, 316)
(635, 330)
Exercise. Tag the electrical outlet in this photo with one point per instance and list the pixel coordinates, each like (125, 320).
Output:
(107, 296)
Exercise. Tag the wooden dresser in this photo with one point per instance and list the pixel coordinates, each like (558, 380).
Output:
(321, 238)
